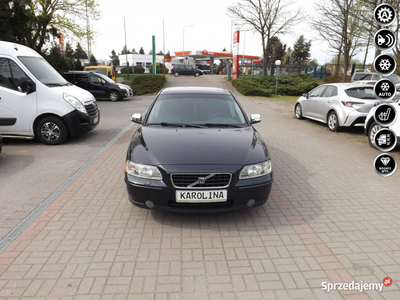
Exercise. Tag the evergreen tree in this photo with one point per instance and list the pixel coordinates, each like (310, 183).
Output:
(93, 60)
(276, 50)
(125, 50)
(56, 59)
(114, 58)
(141, 51)
(80, 53)
(69, 52)
(301, 51)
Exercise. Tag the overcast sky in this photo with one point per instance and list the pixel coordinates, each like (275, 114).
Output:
(211, 27)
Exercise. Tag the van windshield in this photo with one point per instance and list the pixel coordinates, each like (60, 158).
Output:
(43, 71)
(97, 70)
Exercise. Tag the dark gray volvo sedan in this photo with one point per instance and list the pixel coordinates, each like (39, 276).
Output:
(196, 151)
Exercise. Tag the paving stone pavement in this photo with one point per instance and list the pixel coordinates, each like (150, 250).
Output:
(329, 218)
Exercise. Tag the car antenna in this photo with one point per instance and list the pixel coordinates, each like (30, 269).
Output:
(15, 47)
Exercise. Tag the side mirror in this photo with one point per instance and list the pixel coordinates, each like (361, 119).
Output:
(255, 118)
(305, 95)
(23, 84)
(136, 118)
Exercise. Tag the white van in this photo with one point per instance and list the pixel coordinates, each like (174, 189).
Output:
(35, 100)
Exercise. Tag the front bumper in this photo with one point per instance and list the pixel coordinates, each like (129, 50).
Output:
(79, 123)
(162, 195)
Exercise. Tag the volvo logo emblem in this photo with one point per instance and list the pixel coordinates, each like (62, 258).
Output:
(201, 180)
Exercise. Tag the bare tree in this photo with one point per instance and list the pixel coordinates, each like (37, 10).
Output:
(267, 17)
(336, 23)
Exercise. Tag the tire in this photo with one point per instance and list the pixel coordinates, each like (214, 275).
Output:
(298, 112)
(176, 74)
(51, 131)
(333, 122)
(196, 74)
(372, 130)
(113, 96)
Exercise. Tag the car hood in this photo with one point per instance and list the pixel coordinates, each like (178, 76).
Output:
(156, 145)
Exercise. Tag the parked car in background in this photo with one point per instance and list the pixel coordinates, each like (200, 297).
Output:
(36, 101)
(371, 127)
(357, 76)
(99, 85)
(337, 104)
(108, 71)
(196, 151)
(185, 70)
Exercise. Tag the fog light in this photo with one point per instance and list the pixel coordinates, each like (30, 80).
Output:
(149, 204)
(251, 202)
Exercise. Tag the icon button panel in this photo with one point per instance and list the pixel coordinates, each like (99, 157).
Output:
(385, 89)
(384, 65)
(385, 39)
(385, 140)
(385, 115)
(384, 14)
(385, 164)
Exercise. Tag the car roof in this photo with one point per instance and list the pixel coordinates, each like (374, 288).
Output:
(81, 72)
(347, 84)
(194, 90)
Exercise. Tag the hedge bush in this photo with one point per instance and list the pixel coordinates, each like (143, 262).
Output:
(147, 84)
(288, 85)
(134, 70)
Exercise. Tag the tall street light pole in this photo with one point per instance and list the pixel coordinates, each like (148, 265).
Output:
(126, 52)
(183, 41)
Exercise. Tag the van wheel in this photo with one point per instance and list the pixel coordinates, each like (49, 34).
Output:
(196, 74)
(51, 131)
(113, 96)
(373, 129)
(176, 74)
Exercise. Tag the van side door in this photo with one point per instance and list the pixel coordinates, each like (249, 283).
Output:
(18, 110)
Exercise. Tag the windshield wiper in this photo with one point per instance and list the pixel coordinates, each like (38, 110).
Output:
(55, 84)
(180, 125)
(222, 125)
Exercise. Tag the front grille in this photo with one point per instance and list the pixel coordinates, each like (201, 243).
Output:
(201, 206)
(91, 109)
(201, 181)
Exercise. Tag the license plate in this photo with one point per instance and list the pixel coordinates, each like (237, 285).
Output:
(205, 196)
(96, 120)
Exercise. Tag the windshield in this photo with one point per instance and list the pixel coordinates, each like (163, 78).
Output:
(106, 78)
(42, 70)
(362, 77)
(196, 109)
(361, 93)
(97, 70)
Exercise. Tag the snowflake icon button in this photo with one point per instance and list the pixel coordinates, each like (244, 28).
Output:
(384, 64)
(385, 89)
(385, 165)
(384, 14)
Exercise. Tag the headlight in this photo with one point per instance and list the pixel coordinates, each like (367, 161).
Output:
(75, 103)
(122, 87)
(143, 171)
(256, 170)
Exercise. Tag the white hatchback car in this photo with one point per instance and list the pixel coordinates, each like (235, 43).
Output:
(337, 104)
(371, 127)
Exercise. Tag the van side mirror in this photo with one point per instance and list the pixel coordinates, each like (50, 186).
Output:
(25, 85)
(136, 118)
(255, 118)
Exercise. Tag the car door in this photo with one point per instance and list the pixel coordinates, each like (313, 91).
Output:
(17, 109)
(309, 105)
(325, 101)
(98, 86)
